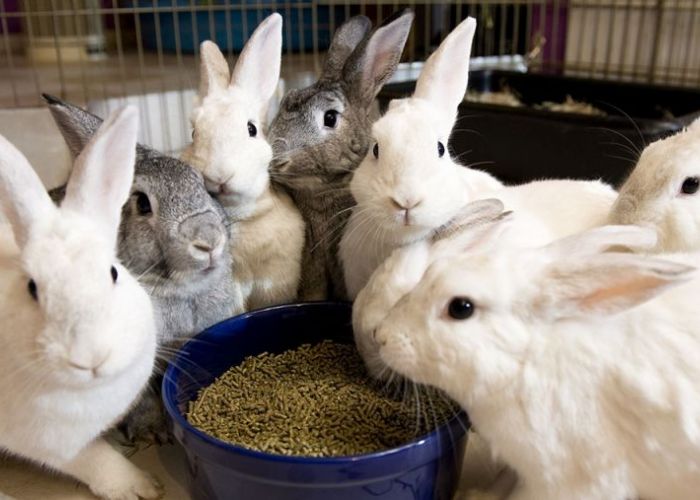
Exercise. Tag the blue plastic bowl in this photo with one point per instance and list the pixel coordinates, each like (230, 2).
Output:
(427, 468)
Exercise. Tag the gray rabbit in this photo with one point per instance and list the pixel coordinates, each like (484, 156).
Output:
(322, 133)
(173, 237)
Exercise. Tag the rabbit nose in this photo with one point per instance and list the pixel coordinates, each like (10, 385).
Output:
(201, 249)
(404, 204)
(203, 236)
(378, 337)
(87, 362)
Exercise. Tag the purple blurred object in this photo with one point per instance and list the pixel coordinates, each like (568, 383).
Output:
(14, 24)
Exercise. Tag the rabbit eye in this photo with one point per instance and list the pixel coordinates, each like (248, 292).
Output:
(252, 129)
(441, 149)
(193, 134)
(114, 273)
(31, 287)
(375, 150)
(460, 308)
(690, 185)
(143, 204)
(330, 118)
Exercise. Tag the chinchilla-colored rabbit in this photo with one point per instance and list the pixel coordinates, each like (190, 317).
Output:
(572, 364)
(662, 192)
(321, 134)
(78, 331)
(173, 237)
(408, 185)
(230, 150)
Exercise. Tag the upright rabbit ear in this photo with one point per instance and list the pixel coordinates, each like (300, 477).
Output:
(103, 173)
(257, 69)
(443, 80)
(374, 60)
(23, 198)
(605, 284)
(213, 69)
(76, 125)
(345, 39)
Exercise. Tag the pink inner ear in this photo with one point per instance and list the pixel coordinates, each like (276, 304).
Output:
(633, 290)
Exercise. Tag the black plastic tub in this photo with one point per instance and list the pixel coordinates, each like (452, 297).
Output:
(519, 144)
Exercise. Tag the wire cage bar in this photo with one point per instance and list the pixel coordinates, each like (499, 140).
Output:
(103, 52)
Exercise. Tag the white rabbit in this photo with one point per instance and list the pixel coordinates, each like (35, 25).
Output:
(574, 367)
(662, 192)
(408, 185)
(230, 149)
(78, 331)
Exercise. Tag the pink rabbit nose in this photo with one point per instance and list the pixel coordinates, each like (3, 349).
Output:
(405, 206)
(87, 365)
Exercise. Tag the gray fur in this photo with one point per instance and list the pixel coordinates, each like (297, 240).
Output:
(188, 294)
(315, 165)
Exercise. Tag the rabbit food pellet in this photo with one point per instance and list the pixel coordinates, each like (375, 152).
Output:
(316, 400)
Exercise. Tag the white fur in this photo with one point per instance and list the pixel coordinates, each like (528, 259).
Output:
(576, 369)
(652, 194)
(73, 361)
(408, 172)
(267, 231)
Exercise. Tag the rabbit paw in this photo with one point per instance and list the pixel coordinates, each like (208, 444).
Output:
(128, 484)
(146, 423)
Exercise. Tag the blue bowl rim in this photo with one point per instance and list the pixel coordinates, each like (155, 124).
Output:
(458, 422)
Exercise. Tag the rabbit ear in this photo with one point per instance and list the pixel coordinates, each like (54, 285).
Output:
(478, 228)
(23, 198)
(373, 62)
(103, 173)
(345, 39)
(443, 80)
(76, 125)
(257, 69)
(601, 239)
(476, 212)
(694, 126)
(606, 284)
(213, 69)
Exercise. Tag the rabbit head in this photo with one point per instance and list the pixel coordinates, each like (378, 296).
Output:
(663, 191)
(228, 119)
(403, 270)
(76, 312)
(321, 132)
(471, 322)
(408, 185)
(173, 233)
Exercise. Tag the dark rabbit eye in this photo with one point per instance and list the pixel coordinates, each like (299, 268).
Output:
(375, 150)
(690, 185)
(460, 308)
(441, 149)
(252, 129)
(330, 118)
(193, 134)
(31, 286)
(143, 204)
(115, 275)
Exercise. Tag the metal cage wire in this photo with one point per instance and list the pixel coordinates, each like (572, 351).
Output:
(103, 52)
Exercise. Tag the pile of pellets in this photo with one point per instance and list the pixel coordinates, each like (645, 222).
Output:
(317, 401)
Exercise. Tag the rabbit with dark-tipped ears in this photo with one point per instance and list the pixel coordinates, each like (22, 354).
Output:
(321, 134)
(173, 237)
